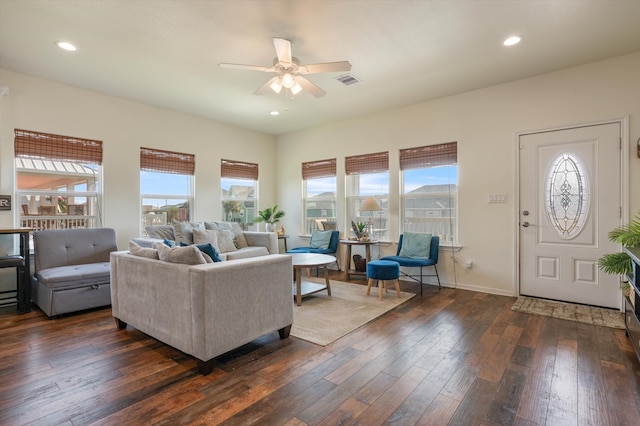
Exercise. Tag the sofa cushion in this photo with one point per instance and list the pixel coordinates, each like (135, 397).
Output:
(160, 232)
(225, 241)
(188, 255)
(245, 253)
(136, 250)
(184, 231)
(75, 275)
(206, 236)
(209, 252)
(238, 235)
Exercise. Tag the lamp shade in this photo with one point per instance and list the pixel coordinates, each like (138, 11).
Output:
(370, 205)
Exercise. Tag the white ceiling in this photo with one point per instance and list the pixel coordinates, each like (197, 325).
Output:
(166, 52)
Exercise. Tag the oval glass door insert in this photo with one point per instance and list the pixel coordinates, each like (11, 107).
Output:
(567, 196)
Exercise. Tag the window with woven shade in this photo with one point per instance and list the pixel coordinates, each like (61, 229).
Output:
(319, 195)
(367, 192)
(58, 180)
(238, 186)
(429, 197)
(166, 187)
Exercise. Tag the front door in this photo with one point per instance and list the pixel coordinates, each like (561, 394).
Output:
(569, 201)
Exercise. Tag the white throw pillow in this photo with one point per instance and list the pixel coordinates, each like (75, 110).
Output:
(206, 236)
(225, 241)
(188, 255)
(136, 250)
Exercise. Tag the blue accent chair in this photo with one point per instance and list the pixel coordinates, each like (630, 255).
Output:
(421, 263)
(332, 249)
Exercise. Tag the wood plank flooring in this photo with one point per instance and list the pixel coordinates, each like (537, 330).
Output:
(450, 357)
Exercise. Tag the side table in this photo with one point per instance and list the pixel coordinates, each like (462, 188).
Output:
(24, 284)
(367, 246)
(284, 239)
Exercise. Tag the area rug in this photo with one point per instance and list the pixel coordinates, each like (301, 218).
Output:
(322, 319)
(569, 311)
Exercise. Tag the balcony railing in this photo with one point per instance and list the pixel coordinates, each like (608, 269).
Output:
(38, 223)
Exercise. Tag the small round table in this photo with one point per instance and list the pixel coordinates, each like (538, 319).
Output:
(308, 260)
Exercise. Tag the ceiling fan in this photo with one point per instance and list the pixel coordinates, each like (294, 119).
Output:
(290, 71)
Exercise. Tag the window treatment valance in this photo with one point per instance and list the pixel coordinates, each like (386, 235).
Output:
(445, 154)
(319, 169)
(238, 170)
(155, 160)
(56, 147)
(368, 163)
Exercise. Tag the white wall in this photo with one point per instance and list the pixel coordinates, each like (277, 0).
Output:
(124, 126)
(484, 123)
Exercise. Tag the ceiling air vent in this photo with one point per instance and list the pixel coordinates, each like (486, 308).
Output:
(348, 79)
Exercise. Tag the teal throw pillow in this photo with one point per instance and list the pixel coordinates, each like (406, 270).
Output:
(207, 249)
(415, 245)
(320, 239)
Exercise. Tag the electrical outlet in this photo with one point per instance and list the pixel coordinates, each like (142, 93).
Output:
(469, 264)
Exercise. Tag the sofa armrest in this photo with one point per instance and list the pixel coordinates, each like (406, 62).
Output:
(264, 239)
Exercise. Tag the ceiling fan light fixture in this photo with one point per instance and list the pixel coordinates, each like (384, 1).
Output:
(276, 86)
(287, 80)
(296, 88)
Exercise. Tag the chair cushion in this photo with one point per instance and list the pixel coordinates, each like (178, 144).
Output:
(310, 250)
(320, 239)
(415, 245)
(407, 261)
(75, 275)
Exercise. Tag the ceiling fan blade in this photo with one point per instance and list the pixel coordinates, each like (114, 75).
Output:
(247, 67)
(265, 88)
(325, 67)
(283, 49)
(310, 87)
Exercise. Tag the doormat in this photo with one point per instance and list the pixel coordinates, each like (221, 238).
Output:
(570, 311)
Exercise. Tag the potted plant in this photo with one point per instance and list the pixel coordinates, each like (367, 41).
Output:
(620, 263)
(269, 216)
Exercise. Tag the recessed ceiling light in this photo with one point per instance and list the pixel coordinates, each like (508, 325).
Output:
(512, 40)
(274, 113)
(65, 45)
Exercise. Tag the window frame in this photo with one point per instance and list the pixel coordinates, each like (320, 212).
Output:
(320, 171)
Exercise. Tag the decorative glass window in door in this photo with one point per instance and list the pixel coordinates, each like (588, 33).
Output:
(567, 196)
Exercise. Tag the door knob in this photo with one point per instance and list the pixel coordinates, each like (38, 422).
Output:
(525, 224)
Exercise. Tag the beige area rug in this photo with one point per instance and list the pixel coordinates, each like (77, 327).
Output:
(323, 319)
(569, 311)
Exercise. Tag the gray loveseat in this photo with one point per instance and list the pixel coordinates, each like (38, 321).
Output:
(72, 270)
(203, 310)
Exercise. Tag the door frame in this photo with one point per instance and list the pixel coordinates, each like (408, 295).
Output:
(624, 183)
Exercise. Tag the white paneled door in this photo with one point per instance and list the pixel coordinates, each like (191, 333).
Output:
(570, 199)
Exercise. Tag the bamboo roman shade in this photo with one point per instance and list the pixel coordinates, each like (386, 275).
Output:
(368, 163)
(48, 146)
(155, 160)
(238, 170)
(445, 154)
(319, 169)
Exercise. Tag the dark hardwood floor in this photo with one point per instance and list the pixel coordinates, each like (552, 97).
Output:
(450, 357)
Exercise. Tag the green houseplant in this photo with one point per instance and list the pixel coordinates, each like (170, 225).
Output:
(620, 263)
(270, 216)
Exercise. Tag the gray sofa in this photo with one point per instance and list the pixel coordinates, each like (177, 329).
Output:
(203, 310)
(246, 243)
(72, 270)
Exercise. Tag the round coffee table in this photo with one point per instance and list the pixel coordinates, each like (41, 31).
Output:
(305, 261)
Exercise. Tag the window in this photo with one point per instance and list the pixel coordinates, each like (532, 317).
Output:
(368, 177)
(58, 181)
(239, 187)
(430, 190)
(166, 187)
(318, 194)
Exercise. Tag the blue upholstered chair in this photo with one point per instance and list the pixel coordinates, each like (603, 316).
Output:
(411, 262)
(331, 249)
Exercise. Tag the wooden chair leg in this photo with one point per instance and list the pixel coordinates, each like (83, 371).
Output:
(369, 285)
(380, 285)
(397, 283)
